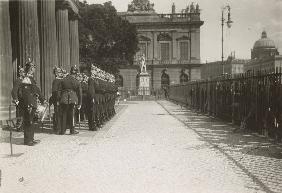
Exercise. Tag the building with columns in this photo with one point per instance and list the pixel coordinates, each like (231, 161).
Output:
(46, 31)
(168, 41)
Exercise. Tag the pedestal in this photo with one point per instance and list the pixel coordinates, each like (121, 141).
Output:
(144, 84)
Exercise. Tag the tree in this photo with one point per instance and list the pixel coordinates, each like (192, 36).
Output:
(105, 38)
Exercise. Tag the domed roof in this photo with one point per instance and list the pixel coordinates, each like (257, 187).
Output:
(264, 42)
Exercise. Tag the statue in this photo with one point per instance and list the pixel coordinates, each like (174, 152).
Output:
(141, 6)
(143, 64)
(197, 8)
(192, 8)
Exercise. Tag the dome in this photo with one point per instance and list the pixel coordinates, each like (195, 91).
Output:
(264, 42)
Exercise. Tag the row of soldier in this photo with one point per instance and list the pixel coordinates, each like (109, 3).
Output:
(74, 95)
(94, 97)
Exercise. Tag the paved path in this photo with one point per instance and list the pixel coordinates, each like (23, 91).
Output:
(146, 148)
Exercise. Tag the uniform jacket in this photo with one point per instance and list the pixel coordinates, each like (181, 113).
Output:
(27, 94)
(15, 89)
(84, 87)
(70, 91)
(55, 91)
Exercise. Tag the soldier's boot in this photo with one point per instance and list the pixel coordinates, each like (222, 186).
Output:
(73, 131)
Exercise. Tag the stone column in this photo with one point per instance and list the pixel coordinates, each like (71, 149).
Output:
(63, 38)
(156, 46)
(74, 40)
(28, 35)
(48, 44)
(6, 72)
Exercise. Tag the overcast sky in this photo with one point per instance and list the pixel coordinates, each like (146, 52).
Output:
(250, 18)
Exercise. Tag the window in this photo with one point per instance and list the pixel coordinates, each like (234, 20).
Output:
(184, 51)
(164, 51)
(143, 49)
(119, 81)
(183, 78)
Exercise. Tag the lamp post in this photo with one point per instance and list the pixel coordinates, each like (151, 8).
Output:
(228, 23)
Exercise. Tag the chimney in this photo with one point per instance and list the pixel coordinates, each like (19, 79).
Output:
(173, 9)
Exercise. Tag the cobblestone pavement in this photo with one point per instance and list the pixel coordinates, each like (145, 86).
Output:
(253, 155)
(147, 147)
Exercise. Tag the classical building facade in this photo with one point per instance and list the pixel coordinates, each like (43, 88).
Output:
(168, 41)
(45, 32)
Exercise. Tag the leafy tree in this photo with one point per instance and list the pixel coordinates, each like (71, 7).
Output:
(105, 38)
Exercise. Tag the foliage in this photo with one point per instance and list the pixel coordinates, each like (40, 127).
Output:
(105, 38)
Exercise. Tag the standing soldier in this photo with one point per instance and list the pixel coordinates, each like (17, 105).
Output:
(54, 99)
(25, 96)
(85, 101)
(71, 95)
(92, 100)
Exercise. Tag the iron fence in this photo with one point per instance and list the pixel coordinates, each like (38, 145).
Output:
(252, 100)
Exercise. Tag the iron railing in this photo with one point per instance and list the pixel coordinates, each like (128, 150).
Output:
(252, 100)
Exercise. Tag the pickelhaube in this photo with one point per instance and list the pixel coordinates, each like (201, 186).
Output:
(74, 70)
(28, 65)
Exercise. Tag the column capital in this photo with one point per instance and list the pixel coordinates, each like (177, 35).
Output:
(71, 5)
(73, 16)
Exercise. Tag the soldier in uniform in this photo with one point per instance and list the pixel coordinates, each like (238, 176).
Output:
(71, 95)
(54, 99)
(85, 101)
(92, 101)
(25, 96)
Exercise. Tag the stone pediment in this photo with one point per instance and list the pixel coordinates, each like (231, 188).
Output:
(144, 38)
(183, 38)
(138, 6)
(164, 37)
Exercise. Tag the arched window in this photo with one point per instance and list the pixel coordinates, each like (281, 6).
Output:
(183, 77)
(119, 80)
(165, 79)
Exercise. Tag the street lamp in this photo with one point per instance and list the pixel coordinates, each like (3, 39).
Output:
(228, 23)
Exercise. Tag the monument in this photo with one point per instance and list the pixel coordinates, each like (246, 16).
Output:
(144, 78)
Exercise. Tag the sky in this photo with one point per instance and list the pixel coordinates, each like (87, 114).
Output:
(250, 18)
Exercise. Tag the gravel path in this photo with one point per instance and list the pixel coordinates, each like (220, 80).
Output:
(142, 150)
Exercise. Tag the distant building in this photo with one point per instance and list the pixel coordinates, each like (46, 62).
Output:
(231, 66)
(168, 41)
(265, 56)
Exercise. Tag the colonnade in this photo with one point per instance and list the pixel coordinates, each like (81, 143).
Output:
(45, 32)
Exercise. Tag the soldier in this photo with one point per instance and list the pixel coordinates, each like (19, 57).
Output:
(71, 95)
(85, 101)
(92, 100)
(54, 99)
(26, 96)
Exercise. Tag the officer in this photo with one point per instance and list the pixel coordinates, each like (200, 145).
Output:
(85, 101)
(71, 95)
(26, 96)
(54, 99)
(92, 101)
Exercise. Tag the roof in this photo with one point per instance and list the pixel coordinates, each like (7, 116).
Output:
(264, 42)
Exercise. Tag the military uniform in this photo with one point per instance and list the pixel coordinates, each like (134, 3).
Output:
(92, 105)
(85, 101)
(55, 101)
(27, 94)
(71, 95)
